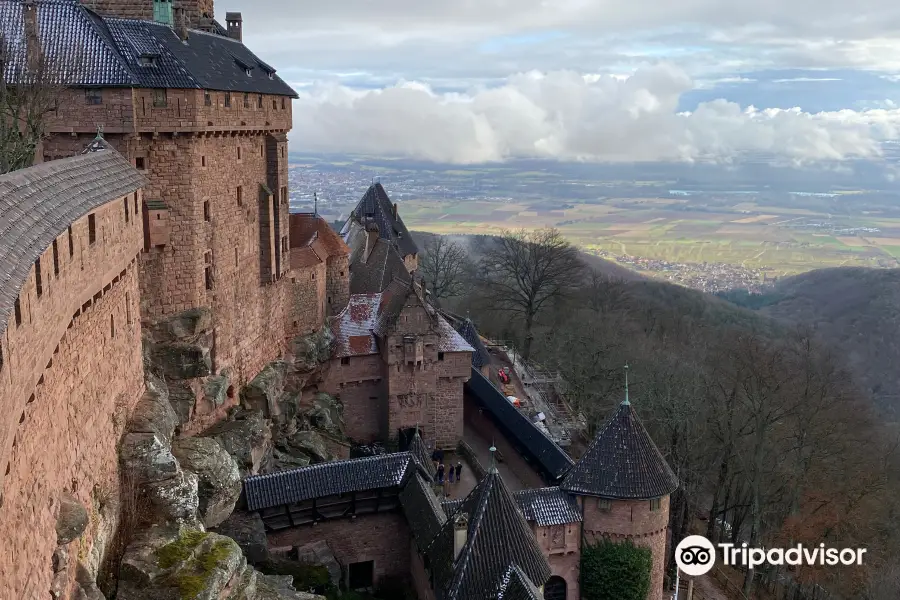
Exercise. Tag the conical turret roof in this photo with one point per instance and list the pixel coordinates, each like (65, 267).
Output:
(622, 462)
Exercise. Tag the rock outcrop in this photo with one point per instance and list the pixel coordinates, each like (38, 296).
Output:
(72, 519)
(219, 481)
(180, 346)
(266, 393)
(326, 414)
(248, 531)
(246, 436)
(190, 564)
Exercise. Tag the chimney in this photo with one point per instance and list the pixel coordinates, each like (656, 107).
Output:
(460, 532)
(181, 28)
(32, 40)
(395, 211)
(235, 24)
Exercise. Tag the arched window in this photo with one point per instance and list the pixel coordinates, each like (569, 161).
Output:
(555, 588)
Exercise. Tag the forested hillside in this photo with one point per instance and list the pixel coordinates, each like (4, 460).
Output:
(763, 419)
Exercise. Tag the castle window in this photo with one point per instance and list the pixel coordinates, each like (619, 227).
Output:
(128, 317)
(654, 504)
(274, 103)
(71, 243)
(259, 101)
(240, 195)
(239, 152)
(207, 99)
(247, 96)
(208, 277)
(283, 103)
(202, 161)
(312, 276)
(112, 326)
(18, 310)
(440, 356)
(227, 99)
(160, 98)
(92, 228)
(342, 273)
(135, 203)
(140, 163)
(37, 277)
(345, 360)
(604, 504)
(93, 96)
(125, 203)
(55, 259)
(206, 215)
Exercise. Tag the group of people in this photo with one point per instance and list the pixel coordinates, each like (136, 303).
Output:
(452, 473)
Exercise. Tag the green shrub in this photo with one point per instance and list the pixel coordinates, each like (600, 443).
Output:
(615, 571)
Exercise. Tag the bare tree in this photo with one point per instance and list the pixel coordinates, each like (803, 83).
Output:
(444, 265)
(524, 272)
(31, 88)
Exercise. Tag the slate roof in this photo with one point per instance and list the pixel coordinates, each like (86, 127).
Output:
(548, 506)
(515, 585)
(543, 506)
(327, 479)
(37, 204)
(622, 462)
(383, 265)
(108, 51)
(480, 355)
(376, 207)
(422, 510)
(353, 327)
(451, 340)
(302, 258)
(551, 459)
(498, 537)
(422, 457)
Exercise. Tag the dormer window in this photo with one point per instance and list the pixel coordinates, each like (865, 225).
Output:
(149, 60)
(248, 72)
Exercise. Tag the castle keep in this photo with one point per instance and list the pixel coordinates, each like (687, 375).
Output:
(169, 332)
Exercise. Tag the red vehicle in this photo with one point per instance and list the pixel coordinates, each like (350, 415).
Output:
(504, 378)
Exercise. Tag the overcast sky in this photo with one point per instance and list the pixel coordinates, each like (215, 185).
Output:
(625, 80)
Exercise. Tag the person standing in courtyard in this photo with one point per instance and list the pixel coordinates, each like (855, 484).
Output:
(440, 473)
(458, 470)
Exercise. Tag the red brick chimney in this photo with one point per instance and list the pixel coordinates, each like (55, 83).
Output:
(235, 24)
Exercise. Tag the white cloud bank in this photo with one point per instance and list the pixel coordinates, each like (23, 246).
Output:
(568, 116)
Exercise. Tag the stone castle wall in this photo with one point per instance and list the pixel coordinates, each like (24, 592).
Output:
(71, 375)
(631, 519)
(561, 545)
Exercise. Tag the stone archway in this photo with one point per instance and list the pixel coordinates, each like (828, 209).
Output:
(555, 588)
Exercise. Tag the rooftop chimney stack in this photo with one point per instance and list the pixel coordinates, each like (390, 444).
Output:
(32, 40)
(181, 28)
(460, 532)
(235, 24)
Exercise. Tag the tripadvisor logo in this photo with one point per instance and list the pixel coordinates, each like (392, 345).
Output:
(696, 556)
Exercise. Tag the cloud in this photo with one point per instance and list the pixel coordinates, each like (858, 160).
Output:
(570, 116)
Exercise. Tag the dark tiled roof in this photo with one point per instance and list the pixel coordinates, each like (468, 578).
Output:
(515, 585)
(544, 506)
(37, 204)
(450, 339)
(422, 457)
(383, 266)
(422, 510)
(480, 357)
(109, 51)
(498, 536)
(352, 328)
(327, 479)
(550, 458)
(622, 462)
(376, 207)
(548, 506)
(393, 301)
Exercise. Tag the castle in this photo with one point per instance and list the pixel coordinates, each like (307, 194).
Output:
(166, 245)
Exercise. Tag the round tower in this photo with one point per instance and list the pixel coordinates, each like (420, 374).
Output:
(622, 484)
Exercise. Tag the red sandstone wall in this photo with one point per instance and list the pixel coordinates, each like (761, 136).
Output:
(72, 374)
(383, 538)
(365, 411)
(338, 288)
(308, 298)
(562, 546)
(634, 520)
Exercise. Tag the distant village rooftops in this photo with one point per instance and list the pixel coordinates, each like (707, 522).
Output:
(115, 52)
(37, 204)
(622, 462)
